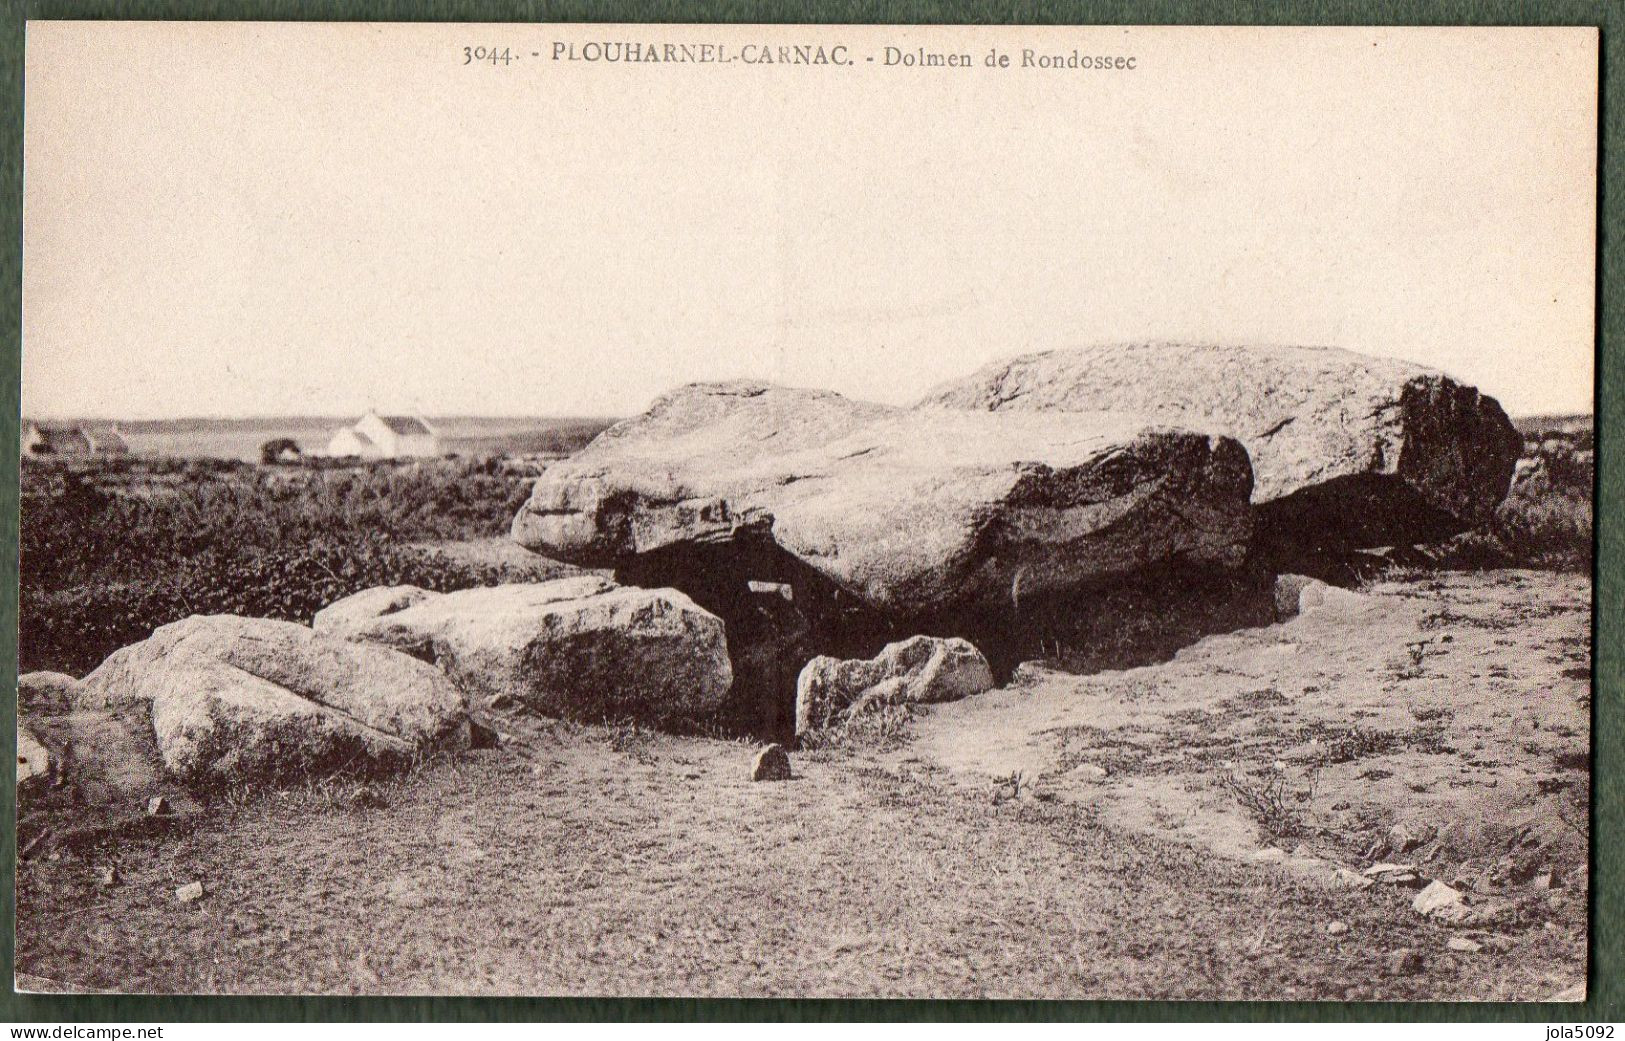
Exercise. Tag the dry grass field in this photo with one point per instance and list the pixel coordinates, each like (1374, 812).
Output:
(615, 860)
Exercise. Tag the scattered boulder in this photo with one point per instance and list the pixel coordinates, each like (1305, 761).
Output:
(190, 893)
(234, 699)
(908, 512)
(582, 647)
(1464, 945)
(1408, 835)
(918, 670)
(772, 764)
(158, 806)
(1442, 903)
(1337, 928)
(1347, 450)
(1393, 874)
(46, 693)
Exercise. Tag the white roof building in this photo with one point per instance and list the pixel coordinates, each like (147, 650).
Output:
(386, 437)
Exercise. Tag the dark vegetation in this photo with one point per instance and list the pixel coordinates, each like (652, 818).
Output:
(112, 549)
(274, 450)
(1546, 519)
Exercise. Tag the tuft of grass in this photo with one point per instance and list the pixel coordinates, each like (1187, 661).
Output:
(1273, 800)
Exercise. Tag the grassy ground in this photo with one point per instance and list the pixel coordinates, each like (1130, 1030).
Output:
(594, 860)
(1458, 704)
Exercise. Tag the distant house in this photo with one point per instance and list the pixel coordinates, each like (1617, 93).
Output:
(40, 439)
(386, 437)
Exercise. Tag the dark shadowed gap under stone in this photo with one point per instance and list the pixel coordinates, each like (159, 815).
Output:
(780, 613)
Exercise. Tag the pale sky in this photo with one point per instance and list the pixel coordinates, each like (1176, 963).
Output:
(239, 219)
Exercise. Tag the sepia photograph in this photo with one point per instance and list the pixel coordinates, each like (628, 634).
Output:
(807, 511)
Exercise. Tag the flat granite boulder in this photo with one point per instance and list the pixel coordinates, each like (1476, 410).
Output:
(1347, 450)
(234, 699)
(581, 647)
(921, 669)
(908, 512)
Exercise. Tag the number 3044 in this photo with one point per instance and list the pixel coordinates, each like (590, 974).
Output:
(493, 55)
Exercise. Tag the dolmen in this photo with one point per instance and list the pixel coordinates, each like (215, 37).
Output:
(1348, 451)
(847, 523)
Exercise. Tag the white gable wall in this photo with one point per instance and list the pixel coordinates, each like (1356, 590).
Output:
(345, 442)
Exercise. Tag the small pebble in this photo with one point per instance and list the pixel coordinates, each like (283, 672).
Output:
(1336, 928)
(191, 892)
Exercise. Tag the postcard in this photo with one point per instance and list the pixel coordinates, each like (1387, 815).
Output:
(807, 511)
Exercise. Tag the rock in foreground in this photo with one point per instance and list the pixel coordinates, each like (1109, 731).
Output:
(247, 699)
(922, 669)
(1346, 449)
(580, 647)
(908, 512)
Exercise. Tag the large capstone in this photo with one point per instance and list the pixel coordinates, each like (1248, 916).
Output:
(908, 512)
(579, 647)
(815, 524)
(248, 699)
(1348, 451)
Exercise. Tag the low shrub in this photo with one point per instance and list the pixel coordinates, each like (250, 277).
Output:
(109, 553)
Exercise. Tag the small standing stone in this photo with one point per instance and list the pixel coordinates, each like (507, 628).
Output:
(110, 875)
(1405, 962)
(190, 893)
(158, 806)
(773, 764)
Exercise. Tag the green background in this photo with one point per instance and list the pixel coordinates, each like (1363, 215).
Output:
(1607, 976)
